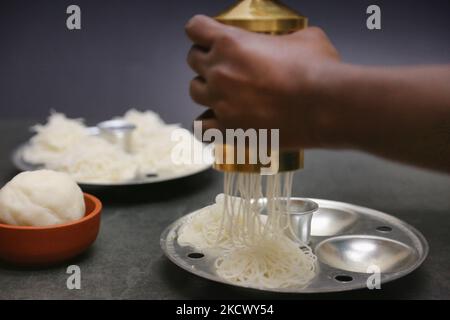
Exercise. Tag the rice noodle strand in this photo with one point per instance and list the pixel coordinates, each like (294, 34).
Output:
(252, 236)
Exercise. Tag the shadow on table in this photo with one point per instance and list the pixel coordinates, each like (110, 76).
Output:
(155, 192)
(188, 286)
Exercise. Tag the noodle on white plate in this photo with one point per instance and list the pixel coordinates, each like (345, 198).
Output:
(95, 161)
(54, 138)
(66, 145)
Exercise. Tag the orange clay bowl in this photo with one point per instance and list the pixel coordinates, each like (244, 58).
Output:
(44, 246)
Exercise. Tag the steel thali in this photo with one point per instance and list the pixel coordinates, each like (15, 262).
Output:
(351, 243)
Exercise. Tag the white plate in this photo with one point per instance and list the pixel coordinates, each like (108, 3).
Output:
(20, 163)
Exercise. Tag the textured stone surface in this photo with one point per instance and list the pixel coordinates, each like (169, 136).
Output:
(127, 262)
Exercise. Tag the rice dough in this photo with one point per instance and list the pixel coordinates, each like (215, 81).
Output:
(41, 198)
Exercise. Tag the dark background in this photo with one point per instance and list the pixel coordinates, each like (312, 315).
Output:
(131, 53)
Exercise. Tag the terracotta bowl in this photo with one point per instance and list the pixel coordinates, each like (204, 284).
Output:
(43, 246)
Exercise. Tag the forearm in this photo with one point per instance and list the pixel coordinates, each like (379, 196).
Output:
(297, 83)
(400, 113)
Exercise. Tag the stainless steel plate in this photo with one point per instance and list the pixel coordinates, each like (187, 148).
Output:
(22, 165)
(346, 238)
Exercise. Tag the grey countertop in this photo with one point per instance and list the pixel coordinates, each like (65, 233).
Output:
(126, 261)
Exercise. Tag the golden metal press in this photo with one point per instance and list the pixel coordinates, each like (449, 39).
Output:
(269, 17)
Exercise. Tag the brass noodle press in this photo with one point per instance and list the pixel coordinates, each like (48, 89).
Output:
(269, 17)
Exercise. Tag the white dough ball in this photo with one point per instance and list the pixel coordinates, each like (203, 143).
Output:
(41, 198)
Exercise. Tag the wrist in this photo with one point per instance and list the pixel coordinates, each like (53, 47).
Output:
(332, 113)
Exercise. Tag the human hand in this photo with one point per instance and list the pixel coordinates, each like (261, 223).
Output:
(251, 80)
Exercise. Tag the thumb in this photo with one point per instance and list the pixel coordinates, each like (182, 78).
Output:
(203, 30)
